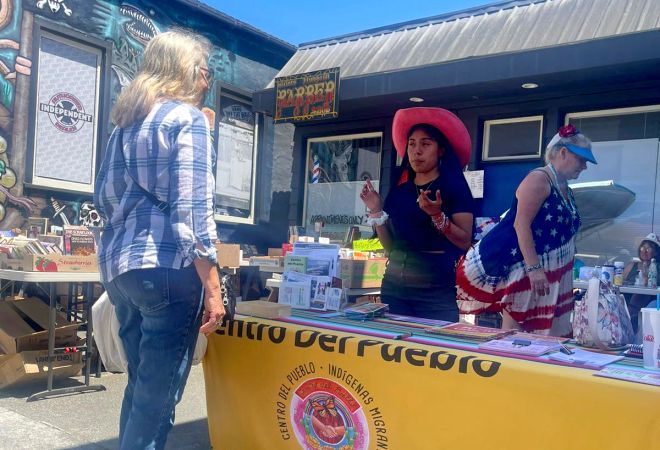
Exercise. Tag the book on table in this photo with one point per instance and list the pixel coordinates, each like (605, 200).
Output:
(514, 346)
(585, 358)
(78, 240)
(634, 375)
(467, 331)
(366, 311)
(534, 338)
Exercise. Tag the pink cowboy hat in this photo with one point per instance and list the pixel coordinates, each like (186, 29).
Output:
(445, 121)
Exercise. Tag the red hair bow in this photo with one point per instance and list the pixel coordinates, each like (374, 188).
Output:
(568, 131)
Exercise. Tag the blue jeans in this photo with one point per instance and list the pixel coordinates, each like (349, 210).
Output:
(159, 312)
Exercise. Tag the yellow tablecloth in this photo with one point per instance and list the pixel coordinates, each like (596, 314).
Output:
(273, 385)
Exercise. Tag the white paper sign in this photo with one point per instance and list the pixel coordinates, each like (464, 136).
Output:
(333, 299)
(294, 294)
(475, 180)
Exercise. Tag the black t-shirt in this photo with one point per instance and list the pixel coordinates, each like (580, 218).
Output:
(412, 228)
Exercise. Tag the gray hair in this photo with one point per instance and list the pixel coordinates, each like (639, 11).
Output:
(169, 70)
(557, 142)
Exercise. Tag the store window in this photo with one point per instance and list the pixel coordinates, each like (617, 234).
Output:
(235, 132)
(65, 109)
(336, 169)
(626, 146)
(512, 139)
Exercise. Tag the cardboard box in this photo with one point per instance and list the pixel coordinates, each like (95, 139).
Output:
(268, 262)
(52, 263)
(24, 326)
(264, 309)
(32, 366)
(275, 252)
(229, 255)
(362, 273)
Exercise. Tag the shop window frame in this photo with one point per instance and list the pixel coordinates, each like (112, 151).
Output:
(337, 137)
(612, 112)
(235, 93)
(486, 139)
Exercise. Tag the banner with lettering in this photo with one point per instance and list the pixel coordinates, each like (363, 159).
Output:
(271, 385)
(307, 96)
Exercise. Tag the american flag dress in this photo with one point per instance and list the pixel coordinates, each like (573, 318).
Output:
(491, 277)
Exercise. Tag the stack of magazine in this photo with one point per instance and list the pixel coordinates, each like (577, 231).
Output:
(309, 279)
(366, 311)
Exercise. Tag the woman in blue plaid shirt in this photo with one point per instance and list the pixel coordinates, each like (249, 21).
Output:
(155, 190)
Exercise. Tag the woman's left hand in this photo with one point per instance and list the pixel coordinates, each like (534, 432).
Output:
(214, 312)
(430, 207)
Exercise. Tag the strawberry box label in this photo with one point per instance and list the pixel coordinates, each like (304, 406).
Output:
(53, 263)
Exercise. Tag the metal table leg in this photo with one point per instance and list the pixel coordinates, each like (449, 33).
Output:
(51, 356)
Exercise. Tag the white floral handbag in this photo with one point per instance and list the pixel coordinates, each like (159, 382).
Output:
(601, 319)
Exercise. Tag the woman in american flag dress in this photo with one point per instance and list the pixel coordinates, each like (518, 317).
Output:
(523, 266)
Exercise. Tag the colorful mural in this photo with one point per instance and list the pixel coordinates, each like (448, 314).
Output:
(129, 26)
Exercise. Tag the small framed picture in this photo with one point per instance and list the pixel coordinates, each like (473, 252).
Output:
(37, 226)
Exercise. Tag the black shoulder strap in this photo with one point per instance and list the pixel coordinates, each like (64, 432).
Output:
(163, 207)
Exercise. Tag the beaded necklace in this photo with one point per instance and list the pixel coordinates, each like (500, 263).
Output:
(569, 198)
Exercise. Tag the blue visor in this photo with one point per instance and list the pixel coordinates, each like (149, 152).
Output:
(583, 152)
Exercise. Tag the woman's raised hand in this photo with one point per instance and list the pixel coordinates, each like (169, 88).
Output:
(370, 197)
(430, 207)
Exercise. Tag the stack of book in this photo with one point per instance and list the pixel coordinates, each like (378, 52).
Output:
(18, 247)
(366, 311)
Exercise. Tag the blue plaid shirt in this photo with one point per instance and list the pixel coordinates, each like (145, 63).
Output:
(170, 155)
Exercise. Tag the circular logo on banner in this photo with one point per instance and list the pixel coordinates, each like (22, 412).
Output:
(66, 112)
(327, 416)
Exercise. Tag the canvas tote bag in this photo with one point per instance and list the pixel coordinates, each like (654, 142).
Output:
(601, 319)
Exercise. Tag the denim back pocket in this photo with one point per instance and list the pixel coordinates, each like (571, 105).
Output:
(148, 289)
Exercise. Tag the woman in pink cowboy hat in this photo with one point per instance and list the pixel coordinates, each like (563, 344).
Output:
(425, 223)
(523, 266)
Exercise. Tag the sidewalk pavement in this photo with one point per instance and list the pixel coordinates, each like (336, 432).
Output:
(90, 421)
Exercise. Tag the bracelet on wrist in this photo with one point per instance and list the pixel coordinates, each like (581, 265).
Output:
(377, 221)
(440, 222)
(533, 267)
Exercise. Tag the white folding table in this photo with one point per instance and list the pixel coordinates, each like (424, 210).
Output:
(52, 278)
(579, 284)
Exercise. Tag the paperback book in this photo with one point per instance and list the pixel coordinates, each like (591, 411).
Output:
(366, 311)
(78, 241)
(467, 331)
(520, 346)
(635, 375)
(534, 338)
(585, 358)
